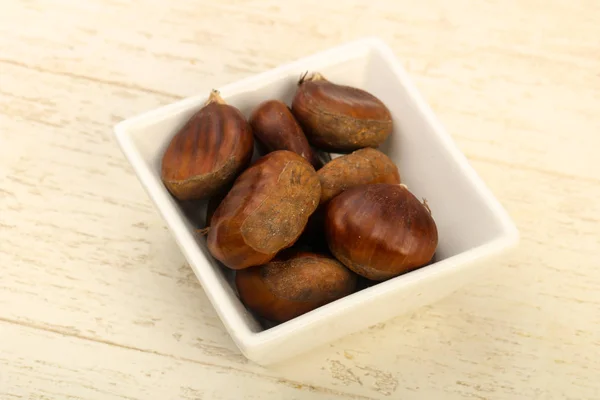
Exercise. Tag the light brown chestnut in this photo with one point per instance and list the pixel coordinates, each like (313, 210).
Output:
(380, 231)
(265, 211)
(276, 128)
(363, 166)
(206, 155)
(338, 117)
(293, 284)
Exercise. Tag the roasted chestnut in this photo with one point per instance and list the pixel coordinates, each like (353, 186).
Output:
(380, 231)
(265, 211)
(340, 118)
(360, 167)
(206, 155)
(276, 128)
(293, 284)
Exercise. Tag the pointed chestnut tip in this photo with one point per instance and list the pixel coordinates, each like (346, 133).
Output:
(426, 205)
(316, 76)
(215, 97)
(302, 78)
(203, 231)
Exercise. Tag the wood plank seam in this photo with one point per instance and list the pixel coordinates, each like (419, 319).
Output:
(287, 382)
(171, 96)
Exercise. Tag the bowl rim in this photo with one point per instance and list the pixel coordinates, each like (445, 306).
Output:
(247, 339)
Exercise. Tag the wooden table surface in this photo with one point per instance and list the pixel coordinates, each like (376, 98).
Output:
(97, 301)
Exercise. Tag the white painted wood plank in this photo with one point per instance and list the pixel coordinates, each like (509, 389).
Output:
(84, 255)
(44, 365)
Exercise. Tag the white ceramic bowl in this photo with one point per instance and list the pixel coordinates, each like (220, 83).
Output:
(473, 227)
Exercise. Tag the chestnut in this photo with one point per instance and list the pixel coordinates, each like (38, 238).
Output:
(293, 284)
(206, 155)
(340, 118)
(363, 166)
(380, 230)
(265, 211)
(276, 128)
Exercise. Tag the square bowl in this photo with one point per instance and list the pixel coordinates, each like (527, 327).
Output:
(473, 227)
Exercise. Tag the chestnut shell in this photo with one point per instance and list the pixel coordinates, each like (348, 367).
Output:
(340, 118)
(265, 211)
(207, 154)
(275, 127)
(363, 166)
(293, 284)
(380, 231)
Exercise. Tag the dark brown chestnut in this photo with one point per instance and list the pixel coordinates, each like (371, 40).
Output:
(274, 125)
(360, 167)
(206, 155)
(293, 284)
(265, 211)
(338, 117)
(380, 231)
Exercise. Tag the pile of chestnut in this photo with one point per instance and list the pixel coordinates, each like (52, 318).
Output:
(300, 232)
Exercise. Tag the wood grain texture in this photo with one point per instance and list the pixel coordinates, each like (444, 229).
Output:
(72, 369)
(96, 300)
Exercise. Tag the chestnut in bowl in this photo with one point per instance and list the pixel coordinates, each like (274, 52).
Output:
(293, 284)
(380, 230)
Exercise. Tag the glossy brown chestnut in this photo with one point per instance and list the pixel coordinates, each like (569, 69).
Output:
(360, 167)
(206, 155)
(380, 231)
(340, 118)
(265, 211)
(293, 284)
(274, 125)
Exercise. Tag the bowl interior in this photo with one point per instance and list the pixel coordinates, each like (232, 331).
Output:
(427, 161)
